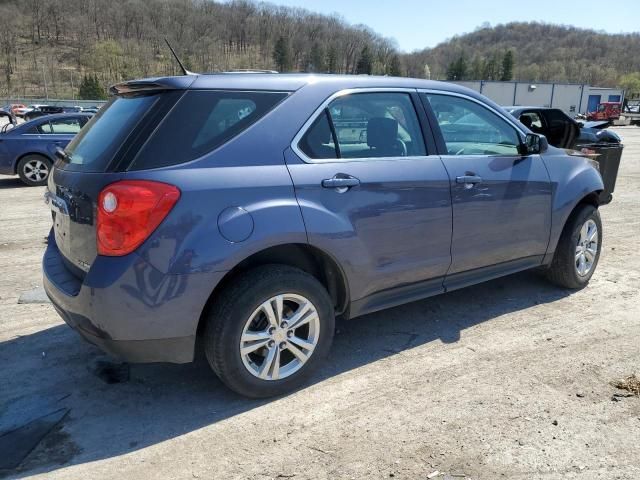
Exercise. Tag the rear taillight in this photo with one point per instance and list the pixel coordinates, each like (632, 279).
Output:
(129, 211)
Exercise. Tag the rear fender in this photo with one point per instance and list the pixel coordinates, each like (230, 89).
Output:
(223, 216)
(39, 152)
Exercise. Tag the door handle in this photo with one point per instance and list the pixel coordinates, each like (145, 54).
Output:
(341, 183)
(469, 180)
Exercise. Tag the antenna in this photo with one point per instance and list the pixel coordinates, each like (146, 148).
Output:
(184, 70)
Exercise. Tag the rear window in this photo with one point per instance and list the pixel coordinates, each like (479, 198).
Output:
(95, 146)
(201, 121)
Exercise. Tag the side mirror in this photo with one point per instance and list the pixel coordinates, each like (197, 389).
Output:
(534, 143)
(61, 154)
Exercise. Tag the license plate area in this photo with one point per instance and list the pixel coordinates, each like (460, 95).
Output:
(62, 228)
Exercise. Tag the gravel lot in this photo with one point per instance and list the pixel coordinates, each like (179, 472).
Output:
(510, 379)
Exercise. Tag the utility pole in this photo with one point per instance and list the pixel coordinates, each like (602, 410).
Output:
(73, 92)
(44, 79)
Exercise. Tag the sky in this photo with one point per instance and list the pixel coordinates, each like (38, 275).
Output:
(416, 24)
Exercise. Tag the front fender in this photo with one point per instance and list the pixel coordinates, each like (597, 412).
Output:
(572, 179)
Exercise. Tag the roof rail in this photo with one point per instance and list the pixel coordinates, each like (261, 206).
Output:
(249, 70)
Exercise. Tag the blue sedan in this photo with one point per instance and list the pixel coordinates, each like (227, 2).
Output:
(28, 150)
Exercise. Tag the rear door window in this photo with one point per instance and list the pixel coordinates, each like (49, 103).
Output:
(200, 122)
(69, 126)
(318, 142)
(366, 125)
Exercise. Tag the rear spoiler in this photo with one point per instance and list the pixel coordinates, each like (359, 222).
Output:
(152, 85)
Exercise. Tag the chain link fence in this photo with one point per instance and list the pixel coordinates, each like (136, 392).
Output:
(55, 102)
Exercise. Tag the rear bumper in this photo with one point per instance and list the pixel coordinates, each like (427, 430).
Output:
(129, 309)
(172, 350)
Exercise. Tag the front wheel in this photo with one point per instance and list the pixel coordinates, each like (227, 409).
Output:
(269, 330)
(578, 249)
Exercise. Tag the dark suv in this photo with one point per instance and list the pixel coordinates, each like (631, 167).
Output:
(41, 111)
(249, 210)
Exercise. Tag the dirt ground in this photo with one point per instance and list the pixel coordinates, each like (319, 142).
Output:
(510, 379)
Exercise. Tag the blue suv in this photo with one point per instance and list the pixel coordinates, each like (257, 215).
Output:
(248, 211)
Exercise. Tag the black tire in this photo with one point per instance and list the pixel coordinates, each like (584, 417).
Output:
(28, 175)
(563, 270)
(234, 306)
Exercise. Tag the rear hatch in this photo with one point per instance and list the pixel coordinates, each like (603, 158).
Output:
(96, 157)
(146, 125)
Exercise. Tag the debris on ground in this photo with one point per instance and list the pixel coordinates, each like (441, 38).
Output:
(37, 295)
(630, 384)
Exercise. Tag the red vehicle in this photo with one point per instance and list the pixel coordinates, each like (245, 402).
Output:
(606, 111)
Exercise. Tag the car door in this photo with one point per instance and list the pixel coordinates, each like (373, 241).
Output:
(372, 197)
(53, 133)
(501, 199)
(561, 130)
(6, 159)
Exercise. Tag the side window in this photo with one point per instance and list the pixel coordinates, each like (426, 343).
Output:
(226, 113)
(469, 128)
(365, 125)
(318, 142)
(532, 121)
(35, 130)
(376, 125)
(44, 128)
(65, 125)
(200, 122)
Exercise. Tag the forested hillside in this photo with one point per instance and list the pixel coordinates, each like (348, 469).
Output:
(541, 52)
(60, 40)
(51, 46)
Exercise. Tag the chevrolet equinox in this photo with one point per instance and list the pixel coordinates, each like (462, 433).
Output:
(247, 211)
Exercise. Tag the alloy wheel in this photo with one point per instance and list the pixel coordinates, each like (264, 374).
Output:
(587, 248)
(36, 170)
(280, 336)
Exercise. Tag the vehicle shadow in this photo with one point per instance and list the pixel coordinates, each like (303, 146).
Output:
(161, 401)
(11, 182)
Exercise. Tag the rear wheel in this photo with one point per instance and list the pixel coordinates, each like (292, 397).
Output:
(578, 250)
(268, 331)
(34, 170)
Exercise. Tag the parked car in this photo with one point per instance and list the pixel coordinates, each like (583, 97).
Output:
(28, 150)
(41, 111)
(72, 109)
(561, 130)
(90, 109)
(590, 138)
(255, 223)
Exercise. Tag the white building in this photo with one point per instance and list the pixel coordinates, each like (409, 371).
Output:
(571, 97)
